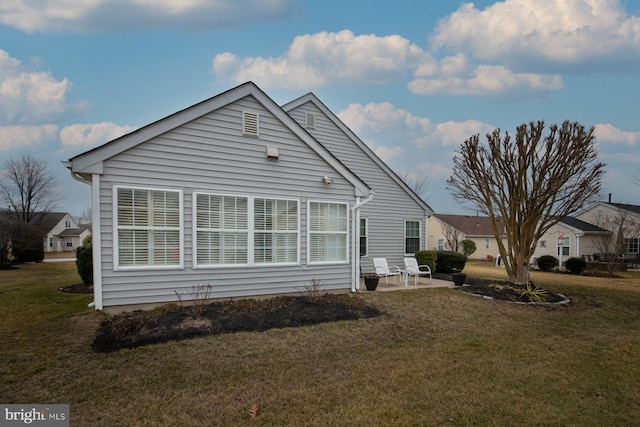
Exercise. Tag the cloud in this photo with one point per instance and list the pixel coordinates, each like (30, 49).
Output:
(92, 134)
(14, 137)
(609, 133)
(28, 96)
(540, 33)
(434, 170)
(389, 153)
(315, 60)
(108, 15)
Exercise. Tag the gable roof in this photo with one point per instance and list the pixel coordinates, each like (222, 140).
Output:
(310, 97)
(47, 220)
(627, 207)
(91, 161)
(468, 225)
(580, 225)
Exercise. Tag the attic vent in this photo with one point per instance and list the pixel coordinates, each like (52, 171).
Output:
(311, 121)
(250, 123)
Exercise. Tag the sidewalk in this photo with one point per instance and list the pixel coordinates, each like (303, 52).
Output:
(424, 282)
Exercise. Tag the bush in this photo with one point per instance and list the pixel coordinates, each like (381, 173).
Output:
(576, 265)
(427, 258)
(27, 243)
(84, 263)
(468, 247)
(547, 262)
(450, 262)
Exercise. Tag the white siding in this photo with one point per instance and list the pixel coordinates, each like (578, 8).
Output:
(211, 155)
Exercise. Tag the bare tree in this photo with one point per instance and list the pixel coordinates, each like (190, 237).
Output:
(419, 184)
(620, 226)
(7, 226)
(527, 185)
(452, 236)
(26, 187)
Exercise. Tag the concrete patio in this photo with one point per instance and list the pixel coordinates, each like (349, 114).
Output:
(424, 282)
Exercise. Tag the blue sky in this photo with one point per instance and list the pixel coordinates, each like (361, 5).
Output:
(412, 79)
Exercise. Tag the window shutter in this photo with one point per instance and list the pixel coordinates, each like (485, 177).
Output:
(250, 123)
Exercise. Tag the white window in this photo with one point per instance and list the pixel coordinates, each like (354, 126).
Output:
(68, 242)
(250, 123)
(486, 243)
(564, 246)
(148, 228)
(364, 236)
(632, 245)
(441, 244)
(328, 231)
(275, 237)
(221, 229)
(411, 237)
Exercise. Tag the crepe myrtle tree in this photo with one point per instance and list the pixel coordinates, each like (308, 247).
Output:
(527, 184)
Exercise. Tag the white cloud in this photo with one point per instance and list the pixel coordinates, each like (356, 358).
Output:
(609, 133)
(14, 137)
(315, 60)
(28, 96)
(435, 170)
(389, 153)
(455, 133)
(100, 15)
(91, 134)
(542, 32)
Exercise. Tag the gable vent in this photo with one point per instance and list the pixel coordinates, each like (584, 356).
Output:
(250, 123)
(311, 120)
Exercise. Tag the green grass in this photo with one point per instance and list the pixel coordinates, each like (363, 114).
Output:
(438, 357)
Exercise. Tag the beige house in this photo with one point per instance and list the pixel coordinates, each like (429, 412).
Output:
(444, 231)
(571, 237)
(621, 219)
(62, 232)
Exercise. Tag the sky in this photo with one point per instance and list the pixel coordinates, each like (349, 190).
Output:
(413, 79)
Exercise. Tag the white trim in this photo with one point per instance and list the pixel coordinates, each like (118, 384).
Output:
(346, 234)
(116, 247)
(366, 235)
(404, 237)
(96, 241)
(252, 232)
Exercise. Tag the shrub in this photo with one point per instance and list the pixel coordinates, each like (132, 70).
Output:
(27, 243)
(468, 247)
(547, 262)
(576, 265)
(84, 263)
(450, 262)
(427, 258)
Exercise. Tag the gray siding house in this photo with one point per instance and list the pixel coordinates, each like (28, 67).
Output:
(393, 225)
(237, 193)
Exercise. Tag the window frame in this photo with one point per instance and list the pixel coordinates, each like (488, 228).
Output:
(344, 233)
(487, 243)
(412, 237)
(566, 243)
(440, 245)
(117, 227)
(365, 237)
(254, 232)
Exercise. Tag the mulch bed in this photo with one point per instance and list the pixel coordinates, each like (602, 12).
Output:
(173, 322)
(79, 288)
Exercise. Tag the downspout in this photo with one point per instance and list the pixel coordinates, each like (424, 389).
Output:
(355, 249)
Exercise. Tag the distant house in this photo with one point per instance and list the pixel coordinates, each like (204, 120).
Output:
(247, 196)
(393, 224)
(443, 228)
(571, 237)
(62, 232)
(619, 218)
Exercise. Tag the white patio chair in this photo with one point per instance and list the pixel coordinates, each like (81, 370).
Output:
(412, 268)
(382, 269)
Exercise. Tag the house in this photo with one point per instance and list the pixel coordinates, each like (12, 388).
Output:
(444, 230)
(571, 237)
(621, 219)
(242, 194)
(393, 224)
(62, 232)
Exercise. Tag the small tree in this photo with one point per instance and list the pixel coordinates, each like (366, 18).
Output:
(529, 183)
(452, 237)
(7, 226)
(468, 247)
(26, 243)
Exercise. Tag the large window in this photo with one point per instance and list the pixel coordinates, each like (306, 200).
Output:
(411, 237)
(364, 236)
(632, 245)
(564, 246)
(221, 229)
(328, 228)
(275, 226)
(148, 227)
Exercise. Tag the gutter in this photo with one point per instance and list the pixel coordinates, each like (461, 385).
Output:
(355, 241)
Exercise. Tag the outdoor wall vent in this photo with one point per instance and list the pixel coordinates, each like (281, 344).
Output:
(327, 180)
(272, 153)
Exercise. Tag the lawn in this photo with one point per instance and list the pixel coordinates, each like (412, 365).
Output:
(437, 357)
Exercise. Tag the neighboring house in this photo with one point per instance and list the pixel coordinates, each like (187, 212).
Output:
(231, 192)
(616, 216)
(62, 233)
(571, 237)
(443, 228)
(393, 224)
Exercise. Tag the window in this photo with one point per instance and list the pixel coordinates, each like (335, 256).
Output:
(563, 246)
(411, 237)
(69, 242)
(50, 242)
(486, 243)
(67, 224)
(275, 226)
(148, 228)
(250, 123)
(328, 228)
(364, 236)
(441, 244)
(632, 245)
(221, 234)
